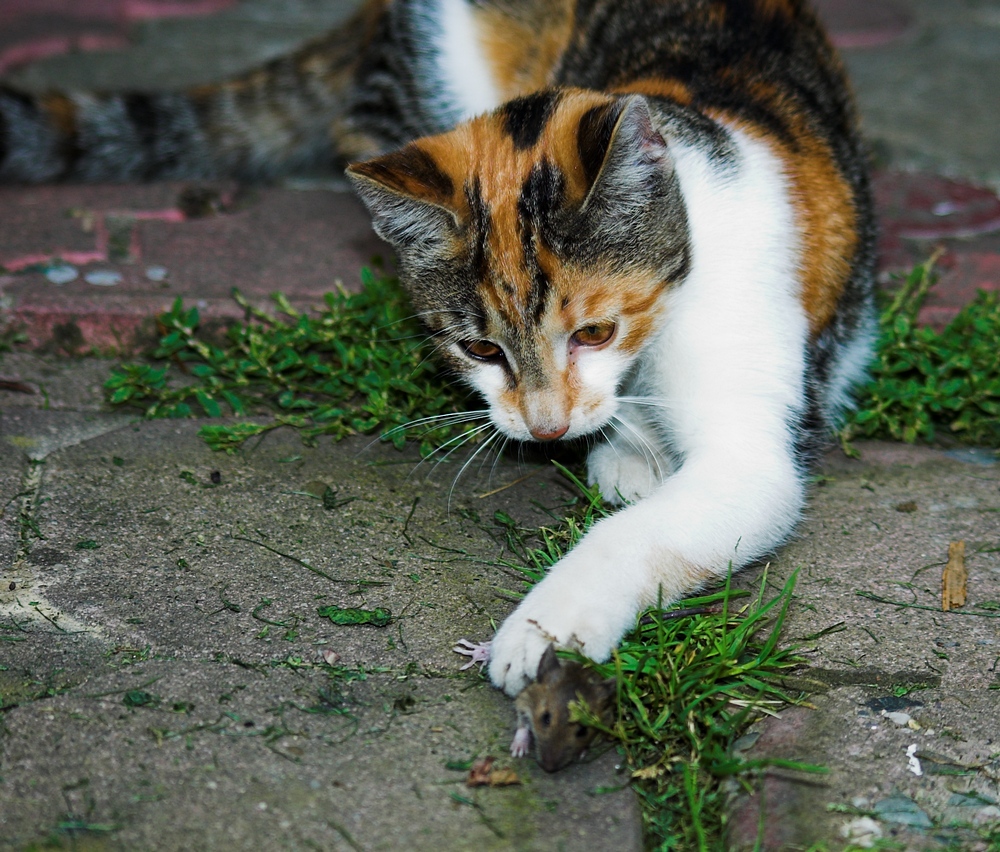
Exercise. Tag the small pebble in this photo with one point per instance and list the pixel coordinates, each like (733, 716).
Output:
(103, 278)
(157, 273)
(863, 832)
(62, 274)
(900, 718)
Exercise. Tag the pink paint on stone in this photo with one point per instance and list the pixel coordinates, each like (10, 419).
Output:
(920, 212)
(922, 206)
(299, 242)
(114, 9)
(963, 275)
(37, 29)
(102, 240)
(863, 23)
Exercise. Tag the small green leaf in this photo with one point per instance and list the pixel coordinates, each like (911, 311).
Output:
(377, 617)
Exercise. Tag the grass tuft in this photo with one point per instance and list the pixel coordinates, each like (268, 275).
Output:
(690, 676)
(928, 383)
(356, 366)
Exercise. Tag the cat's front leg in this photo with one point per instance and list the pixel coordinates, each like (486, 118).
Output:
(719, 509)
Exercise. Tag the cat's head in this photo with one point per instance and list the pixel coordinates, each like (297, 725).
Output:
(536, 242)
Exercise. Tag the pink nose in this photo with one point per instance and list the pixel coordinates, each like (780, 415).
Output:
(548, 433)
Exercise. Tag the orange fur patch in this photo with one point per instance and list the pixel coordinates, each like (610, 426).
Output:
(669, 88)
(62, 112)
(823, 202)
(524, 43)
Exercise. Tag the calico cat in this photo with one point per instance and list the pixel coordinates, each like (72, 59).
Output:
(645, 222)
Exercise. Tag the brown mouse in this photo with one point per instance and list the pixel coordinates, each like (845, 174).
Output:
(543, 711)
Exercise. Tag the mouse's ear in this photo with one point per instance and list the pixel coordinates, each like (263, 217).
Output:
(607, 690)
(548, 665)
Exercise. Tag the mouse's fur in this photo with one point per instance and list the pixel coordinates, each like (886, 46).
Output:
(543, 711)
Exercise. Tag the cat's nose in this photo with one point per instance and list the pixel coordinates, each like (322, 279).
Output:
(549, 433)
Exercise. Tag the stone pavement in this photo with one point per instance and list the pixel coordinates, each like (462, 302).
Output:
(170, 680)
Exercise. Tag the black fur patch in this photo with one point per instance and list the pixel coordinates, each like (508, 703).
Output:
(24, 101)
(479, 230)
(142, 115)
(525, 118)
(541, 196)
(594, 136)
(415, 163)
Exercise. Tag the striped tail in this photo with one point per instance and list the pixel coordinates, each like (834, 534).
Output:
(277, 119)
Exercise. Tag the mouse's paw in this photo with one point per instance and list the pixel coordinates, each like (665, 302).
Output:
(477, 652)
(521, 744)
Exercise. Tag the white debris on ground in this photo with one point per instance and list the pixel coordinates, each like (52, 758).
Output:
(103, 278)
(911, 754)
(62, 273)
(904, 720)
(862, 832)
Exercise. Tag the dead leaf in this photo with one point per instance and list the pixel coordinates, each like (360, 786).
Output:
(647, 773)
(954, 578)
(482, 774)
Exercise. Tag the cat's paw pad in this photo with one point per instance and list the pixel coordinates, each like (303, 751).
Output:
(623, 476)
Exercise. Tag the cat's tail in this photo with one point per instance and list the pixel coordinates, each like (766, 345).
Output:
(279, 118)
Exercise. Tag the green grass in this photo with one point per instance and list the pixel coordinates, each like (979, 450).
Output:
(926, 384)
(361, 365)
(357, 366)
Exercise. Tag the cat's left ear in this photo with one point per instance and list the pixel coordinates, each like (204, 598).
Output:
(408, 195)
(620, 150)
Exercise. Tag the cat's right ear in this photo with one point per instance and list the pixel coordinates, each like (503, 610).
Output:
(408, 196)
(620, 149)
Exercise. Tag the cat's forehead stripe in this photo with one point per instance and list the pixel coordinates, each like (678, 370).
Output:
(525, 118)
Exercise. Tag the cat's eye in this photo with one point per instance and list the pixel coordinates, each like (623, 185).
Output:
(595, 334)
(482, 350)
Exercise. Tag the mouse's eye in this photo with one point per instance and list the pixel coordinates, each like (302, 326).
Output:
(581, 731)
(546, 719)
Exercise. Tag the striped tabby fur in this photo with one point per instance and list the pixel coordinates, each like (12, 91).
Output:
(651, 223)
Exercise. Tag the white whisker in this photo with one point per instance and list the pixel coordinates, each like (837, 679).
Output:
(462, 440)
(641, 443)
(469, 461)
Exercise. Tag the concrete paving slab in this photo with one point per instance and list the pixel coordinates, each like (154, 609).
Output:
(183, 573)
(12, 469)
(50, 386)
(881, 526)
(170, 52)
(928, 99)
(299, 242)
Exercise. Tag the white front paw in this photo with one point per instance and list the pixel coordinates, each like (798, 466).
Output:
(578, 605)
(623, 475)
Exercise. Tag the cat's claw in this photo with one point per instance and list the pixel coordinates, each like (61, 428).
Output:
(478, 653)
